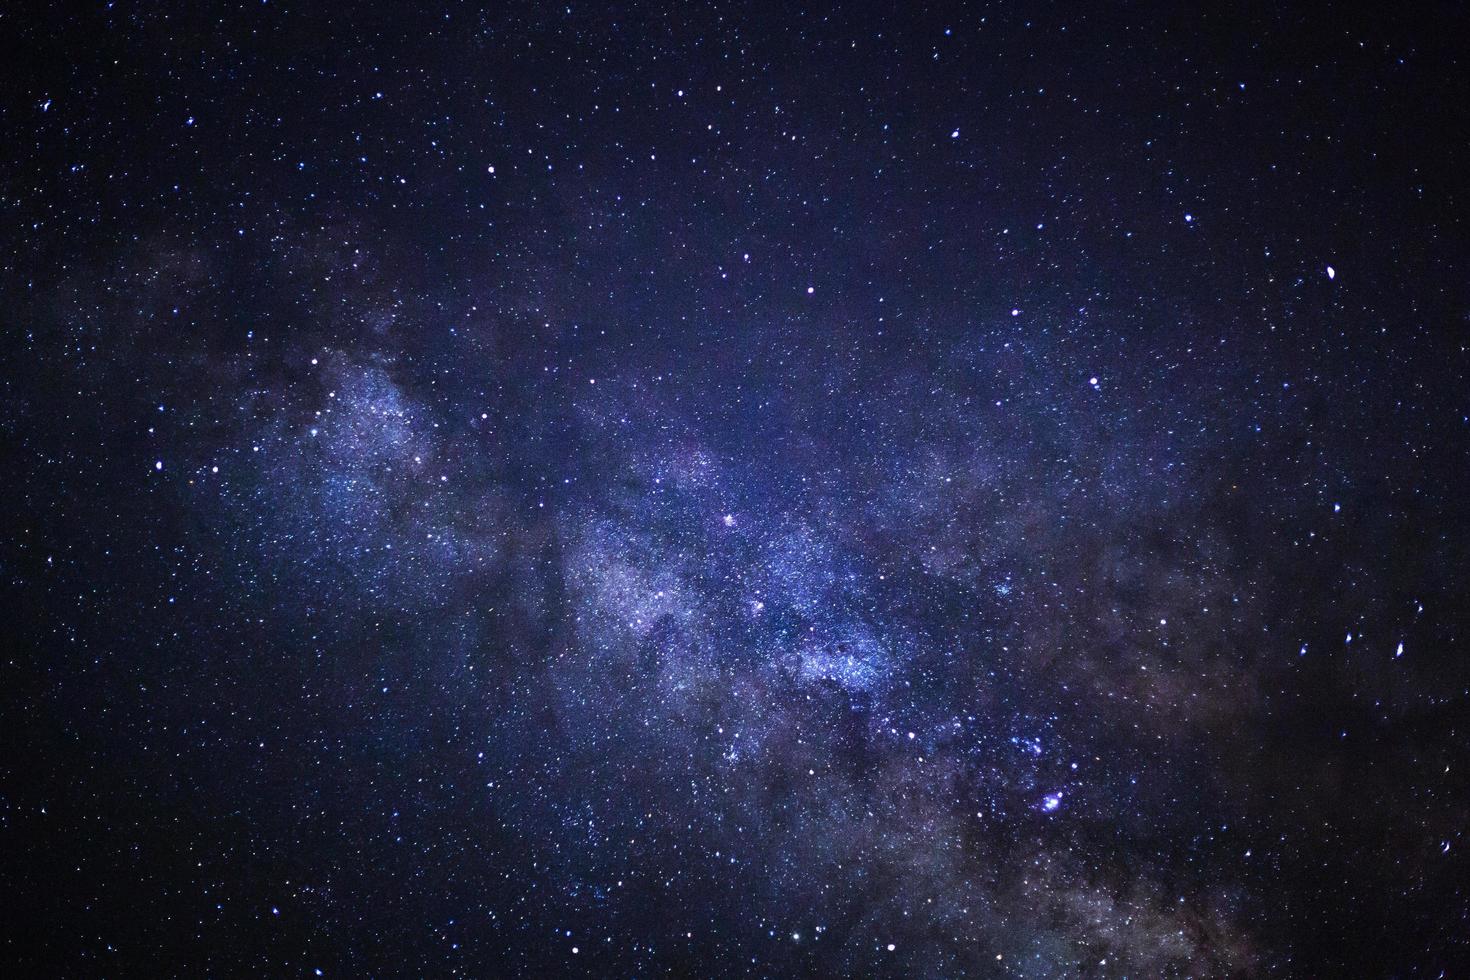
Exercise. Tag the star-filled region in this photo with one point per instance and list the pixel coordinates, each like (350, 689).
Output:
(734, 489)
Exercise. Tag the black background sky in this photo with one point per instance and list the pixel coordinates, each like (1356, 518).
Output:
(719, 490)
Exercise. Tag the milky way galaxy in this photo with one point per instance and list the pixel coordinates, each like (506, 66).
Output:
(734, 490)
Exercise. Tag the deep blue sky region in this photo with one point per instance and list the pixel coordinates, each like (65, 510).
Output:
(740, 490)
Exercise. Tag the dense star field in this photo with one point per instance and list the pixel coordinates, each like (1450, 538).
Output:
(734, 490)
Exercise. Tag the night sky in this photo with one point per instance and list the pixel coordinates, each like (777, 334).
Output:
(734, 490)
